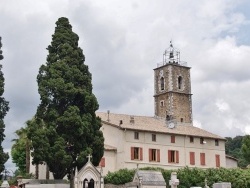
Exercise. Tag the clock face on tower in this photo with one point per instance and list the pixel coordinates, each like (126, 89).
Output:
(171, 125)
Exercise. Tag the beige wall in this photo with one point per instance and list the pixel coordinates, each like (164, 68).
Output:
(125, 140)
(231, 163)
(110, 161)
(42, 170)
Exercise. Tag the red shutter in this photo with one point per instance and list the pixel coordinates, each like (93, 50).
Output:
(177, 156)
(192, 158)
(141, 154)
(132, 153)
(102, 162)
(150, 154)
(172, 139)
(158, 155)
(217, 160)
(169, 156)
(202, 158)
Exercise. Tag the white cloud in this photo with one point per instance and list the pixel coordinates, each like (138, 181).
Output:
(222, 105)
(123, 41)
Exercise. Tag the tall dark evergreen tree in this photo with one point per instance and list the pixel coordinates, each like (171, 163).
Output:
(66, 128)
(4, 107)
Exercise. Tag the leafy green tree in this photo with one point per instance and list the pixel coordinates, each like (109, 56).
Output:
(20, 151)
(233, 148)
(245, 148)
(4, 108)
(66, 128)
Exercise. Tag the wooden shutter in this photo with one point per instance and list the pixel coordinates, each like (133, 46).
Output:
(150, 154)
(202, 158)
(132, 153)
(217, 160)
(141, 154)
(177, 156)
(172, 138)
(158, 155)
(192, 158)
(169, 156)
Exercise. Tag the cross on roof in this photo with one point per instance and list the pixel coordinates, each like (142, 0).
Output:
(89, 156)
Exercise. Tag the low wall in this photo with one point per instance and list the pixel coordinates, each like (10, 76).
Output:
(47, 186)
(113, 186)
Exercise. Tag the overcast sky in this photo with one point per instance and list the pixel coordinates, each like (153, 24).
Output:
(123, 41)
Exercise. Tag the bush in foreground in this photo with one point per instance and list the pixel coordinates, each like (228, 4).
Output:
(189, 176)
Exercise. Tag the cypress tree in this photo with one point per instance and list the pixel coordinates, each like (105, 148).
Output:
(66, 128)
(4, 108)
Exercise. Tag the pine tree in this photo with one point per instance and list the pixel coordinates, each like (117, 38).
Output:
(66, 128)
(4, 107)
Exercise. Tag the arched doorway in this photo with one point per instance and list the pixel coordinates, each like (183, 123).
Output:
(88, 184)
(91, 184)
(85, 183)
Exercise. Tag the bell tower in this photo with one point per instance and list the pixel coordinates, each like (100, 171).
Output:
(173, 98)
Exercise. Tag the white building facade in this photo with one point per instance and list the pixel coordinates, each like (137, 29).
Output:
(148, 141)
(168, 139)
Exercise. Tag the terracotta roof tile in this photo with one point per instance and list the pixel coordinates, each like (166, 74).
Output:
(153, 124)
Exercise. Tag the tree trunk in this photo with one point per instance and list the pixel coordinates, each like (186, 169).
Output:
(27, 157)
(72, 177)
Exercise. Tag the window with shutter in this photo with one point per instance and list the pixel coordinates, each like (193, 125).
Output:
(172, 139)
(154, 155)
(217, 160)
(136, 153)
(192, 158)
(173, 156)
(202, 159)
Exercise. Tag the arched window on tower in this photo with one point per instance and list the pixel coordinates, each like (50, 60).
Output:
(162, 83)
(179, 82)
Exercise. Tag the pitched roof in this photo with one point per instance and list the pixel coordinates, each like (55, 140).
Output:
(153, 124)
(151, 177)
(147, 178)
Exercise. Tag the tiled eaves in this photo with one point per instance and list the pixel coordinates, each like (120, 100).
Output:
(153, 124)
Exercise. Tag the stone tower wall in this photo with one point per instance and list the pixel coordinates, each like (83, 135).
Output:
(175, 99)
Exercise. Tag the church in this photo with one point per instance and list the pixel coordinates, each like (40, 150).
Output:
(168, 139)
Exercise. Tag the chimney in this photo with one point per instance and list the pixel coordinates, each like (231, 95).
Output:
(108, 115)
(132, 120)
(120, 123)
